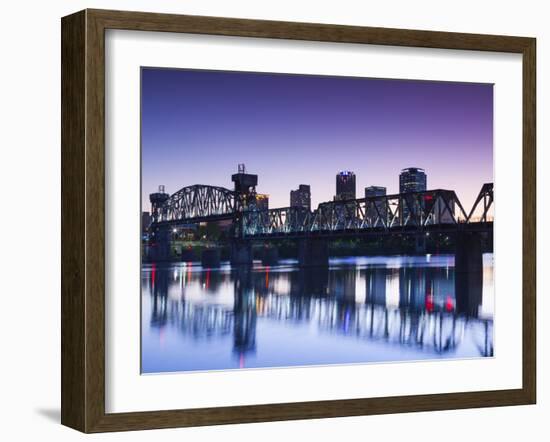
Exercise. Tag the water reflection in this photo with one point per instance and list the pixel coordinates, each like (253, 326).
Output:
(359, 310)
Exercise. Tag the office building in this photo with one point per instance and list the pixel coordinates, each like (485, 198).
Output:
(372, 191)
(411, 179)
(301, 197)
(345, 186)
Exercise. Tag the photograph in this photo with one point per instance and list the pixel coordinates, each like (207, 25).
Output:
(292, 220)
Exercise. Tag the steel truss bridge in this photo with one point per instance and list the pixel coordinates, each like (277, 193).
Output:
(432, 210)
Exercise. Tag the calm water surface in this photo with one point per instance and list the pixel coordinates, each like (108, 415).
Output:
(359, 310)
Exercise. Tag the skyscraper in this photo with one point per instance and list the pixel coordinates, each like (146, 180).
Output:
(301, 197)
(412, 179)
(345, 185)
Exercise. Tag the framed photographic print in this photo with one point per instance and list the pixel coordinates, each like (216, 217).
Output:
(270, 220)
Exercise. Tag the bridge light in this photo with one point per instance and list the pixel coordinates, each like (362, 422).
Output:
(174, 230)
(449, 304)
(429, 303)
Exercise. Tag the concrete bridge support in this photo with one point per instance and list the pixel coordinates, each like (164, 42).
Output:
(420, 244)
(210, 258)
(270, 256)
(468, 272)
(313, 252)
(160, 249)
(241, 253)
(188, 255)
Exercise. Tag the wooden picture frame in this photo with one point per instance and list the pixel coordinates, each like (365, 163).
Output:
(83, 217)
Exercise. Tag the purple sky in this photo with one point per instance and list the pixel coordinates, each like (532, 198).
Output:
(290, 130)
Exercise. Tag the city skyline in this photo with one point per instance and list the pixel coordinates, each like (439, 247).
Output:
(197, 125)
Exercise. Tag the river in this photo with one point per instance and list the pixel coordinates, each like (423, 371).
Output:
(358, 310)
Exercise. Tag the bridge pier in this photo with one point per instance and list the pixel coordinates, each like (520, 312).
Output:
(210, 258)
(468, 272)
(312, 252)
(270, 256)
(160, 250)
(188, 255)
(241, 253)
(420, 244)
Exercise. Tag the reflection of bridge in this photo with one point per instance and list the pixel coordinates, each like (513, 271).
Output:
(438, 332)
(415, 213)
(421, 320)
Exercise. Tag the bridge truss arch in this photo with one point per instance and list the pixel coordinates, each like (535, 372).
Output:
(197, 203)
